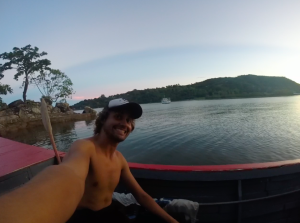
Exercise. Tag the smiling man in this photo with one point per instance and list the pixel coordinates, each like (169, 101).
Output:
(97, 160)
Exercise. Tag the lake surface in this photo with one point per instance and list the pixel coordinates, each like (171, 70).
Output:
(198, 132)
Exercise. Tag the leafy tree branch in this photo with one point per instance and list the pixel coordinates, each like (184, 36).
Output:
(26, 62)
(53, 84)
(4, 88)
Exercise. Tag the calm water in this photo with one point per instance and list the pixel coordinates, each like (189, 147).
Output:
(198, 132)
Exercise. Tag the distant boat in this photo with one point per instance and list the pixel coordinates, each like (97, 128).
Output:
(166, 101)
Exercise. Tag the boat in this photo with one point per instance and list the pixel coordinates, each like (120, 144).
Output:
(166, 101)
(257, 192)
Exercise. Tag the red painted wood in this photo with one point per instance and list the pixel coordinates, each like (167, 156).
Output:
(208, 168)
(15, 156)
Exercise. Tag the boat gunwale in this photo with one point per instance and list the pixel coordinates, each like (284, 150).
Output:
(214, 168)
(210, 168)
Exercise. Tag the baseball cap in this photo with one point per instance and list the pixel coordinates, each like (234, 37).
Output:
(133, 108)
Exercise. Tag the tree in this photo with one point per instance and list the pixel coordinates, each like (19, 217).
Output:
(26, 62)
(54, 85)
(4, 88)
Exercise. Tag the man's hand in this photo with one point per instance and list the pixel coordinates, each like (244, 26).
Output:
(141, 196)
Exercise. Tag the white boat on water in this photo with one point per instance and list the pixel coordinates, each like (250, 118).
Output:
(166, 101)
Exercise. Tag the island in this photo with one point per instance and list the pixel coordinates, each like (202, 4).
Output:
(244, 86)
(20, 115)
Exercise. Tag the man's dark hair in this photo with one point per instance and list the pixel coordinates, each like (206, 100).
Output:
(102, 117)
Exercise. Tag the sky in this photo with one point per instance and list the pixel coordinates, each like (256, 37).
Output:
(111, 47)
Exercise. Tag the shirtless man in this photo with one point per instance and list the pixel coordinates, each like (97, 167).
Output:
(97, 159)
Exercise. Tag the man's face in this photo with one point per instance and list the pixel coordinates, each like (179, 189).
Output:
(118, 126)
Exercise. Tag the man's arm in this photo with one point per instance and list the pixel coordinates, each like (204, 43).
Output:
(78, 158)
(52, 195)
(140, 195)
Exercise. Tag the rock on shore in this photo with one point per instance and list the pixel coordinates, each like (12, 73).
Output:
(19, 115)
(88, 109)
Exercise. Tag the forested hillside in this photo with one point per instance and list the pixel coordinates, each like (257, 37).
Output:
(216, 88)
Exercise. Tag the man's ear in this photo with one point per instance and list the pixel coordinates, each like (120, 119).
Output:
(132, 125)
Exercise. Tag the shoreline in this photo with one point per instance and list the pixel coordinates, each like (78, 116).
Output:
(212, 99)
(18, 123)
(207, 99)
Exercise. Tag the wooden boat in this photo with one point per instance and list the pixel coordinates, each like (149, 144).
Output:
(260, 192)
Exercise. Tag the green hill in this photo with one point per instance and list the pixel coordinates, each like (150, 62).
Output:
(244, 86)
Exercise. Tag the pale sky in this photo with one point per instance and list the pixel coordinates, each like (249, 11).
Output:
(110, 47)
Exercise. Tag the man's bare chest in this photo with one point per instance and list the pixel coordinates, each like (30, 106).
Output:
(104, 174)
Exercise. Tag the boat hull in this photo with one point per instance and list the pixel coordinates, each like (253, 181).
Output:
(258, 195)
(19, 177)
(264, 192)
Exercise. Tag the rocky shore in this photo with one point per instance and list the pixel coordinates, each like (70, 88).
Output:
(20, 115)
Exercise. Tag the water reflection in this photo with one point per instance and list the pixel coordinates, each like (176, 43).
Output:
(89, 122)
(198, 132)
(63, 133)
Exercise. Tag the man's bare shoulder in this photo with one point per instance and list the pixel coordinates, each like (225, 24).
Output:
(81, 147)
(122, 159)
(82, 144)
(78, 157)
(119, 155)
